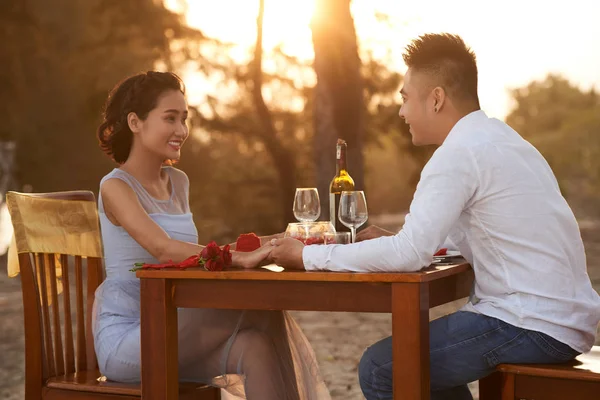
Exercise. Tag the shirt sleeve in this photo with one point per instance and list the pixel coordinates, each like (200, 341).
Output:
(448, 244)
(448, 183)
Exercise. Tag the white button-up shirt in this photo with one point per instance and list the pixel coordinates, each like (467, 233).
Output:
(495, 197)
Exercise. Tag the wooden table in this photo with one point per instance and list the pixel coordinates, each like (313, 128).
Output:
(408, 296)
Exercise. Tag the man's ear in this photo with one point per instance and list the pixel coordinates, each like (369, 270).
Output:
(439, 98)
(135, 124)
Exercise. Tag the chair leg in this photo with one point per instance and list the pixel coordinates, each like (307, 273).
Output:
(508, 387)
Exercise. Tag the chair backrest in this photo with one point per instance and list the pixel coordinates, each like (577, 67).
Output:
(51, 346)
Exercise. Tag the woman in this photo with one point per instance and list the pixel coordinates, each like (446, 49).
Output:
(145, 217)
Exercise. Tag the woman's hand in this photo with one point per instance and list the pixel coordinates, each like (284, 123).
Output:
(252, 259)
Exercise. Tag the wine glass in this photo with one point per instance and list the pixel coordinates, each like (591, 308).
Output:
(353, 210)
(307, 206)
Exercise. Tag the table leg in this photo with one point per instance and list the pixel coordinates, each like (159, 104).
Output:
(410, 340)
(160, 377)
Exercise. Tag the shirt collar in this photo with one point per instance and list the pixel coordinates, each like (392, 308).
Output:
(464, 123)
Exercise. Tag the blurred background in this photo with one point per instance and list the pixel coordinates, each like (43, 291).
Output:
(271, 85)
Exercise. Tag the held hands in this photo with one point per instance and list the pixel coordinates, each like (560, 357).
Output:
(287, 253)
(253, 259)
(263, 239)
(267, 239)
(256, 258)
(372, 232)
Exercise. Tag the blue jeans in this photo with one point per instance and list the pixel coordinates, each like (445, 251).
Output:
(464, 347)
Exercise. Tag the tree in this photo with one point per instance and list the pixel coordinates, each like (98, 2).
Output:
(338, 108)
(283, 158)
(563, 122)
(543, 107)
(262, 124)
(384, 127)
(75, 52)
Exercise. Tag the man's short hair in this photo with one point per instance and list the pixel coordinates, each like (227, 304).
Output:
(450, 63)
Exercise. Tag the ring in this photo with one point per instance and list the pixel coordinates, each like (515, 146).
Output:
(273, 241)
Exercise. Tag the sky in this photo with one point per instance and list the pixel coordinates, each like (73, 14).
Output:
(515, 41)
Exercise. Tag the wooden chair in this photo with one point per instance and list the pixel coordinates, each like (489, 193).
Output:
(67, 369)
(577, 380)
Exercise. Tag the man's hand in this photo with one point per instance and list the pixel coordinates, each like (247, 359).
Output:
(372, 232)
(267, 239)
(287, 253)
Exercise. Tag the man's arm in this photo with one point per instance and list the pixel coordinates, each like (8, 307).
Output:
(447, 185)
(372, 232)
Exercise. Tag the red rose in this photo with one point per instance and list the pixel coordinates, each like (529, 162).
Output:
(214, 265)
(226, 255)
(210, 251)
(211, 257)
(247, 242)
(191, 261)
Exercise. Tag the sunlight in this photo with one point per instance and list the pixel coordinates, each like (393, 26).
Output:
(273, 268)
(502, 34)
(286, 23)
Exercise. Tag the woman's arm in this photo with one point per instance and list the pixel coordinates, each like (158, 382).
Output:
(123, 208)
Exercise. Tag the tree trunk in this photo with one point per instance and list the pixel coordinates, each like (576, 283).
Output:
(338, 106)
(283, 158)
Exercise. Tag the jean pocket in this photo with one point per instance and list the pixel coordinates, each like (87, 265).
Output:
(554, 348)
(508, 351)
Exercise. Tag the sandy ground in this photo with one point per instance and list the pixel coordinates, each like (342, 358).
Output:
(339, 339)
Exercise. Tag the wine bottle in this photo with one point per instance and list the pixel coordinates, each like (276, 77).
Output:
(342, 181)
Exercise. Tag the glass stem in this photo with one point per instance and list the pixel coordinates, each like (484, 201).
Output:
(353, 230)
(306, 229)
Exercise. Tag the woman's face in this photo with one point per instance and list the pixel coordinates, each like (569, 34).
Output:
(164, 130)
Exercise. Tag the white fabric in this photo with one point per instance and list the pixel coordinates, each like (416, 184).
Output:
(494, 195)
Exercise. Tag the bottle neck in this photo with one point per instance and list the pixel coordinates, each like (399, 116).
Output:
(340, 160)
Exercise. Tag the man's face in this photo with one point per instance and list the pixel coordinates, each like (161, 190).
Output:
(417, 107)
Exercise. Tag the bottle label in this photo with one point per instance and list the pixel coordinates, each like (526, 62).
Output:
(338, 153)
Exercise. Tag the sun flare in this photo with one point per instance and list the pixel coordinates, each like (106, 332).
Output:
(500, 34)
(286, 22)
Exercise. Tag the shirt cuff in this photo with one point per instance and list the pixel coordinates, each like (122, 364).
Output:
(311, 258)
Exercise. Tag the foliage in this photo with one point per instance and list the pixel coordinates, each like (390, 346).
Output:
(563, 122)
(61, 58)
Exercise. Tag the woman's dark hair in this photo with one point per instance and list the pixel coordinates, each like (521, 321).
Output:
(138, 94)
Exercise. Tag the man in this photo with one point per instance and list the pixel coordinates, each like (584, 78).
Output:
(491, 194)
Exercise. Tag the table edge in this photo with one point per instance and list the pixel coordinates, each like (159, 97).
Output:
(426, 275)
